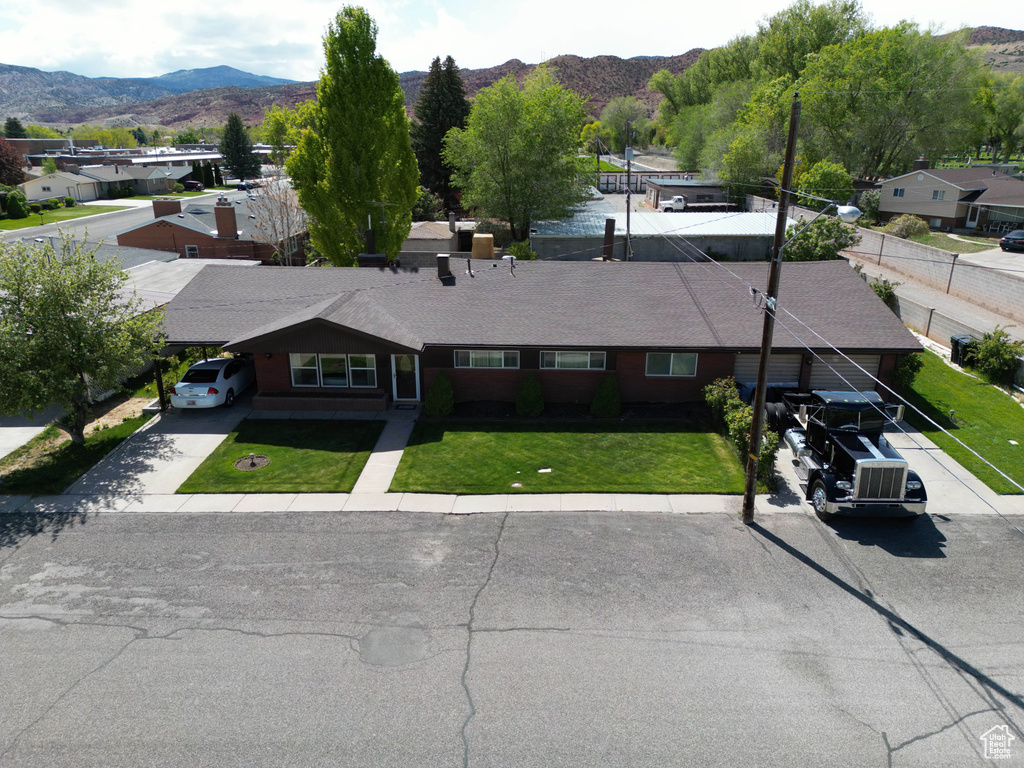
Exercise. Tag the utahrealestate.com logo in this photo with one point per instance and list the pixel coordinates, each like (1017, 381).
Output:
(997, 742)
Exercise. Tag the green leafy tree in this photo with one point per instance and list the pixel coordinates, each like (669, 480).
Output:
(868, 203)
(67, 330)
(237, 150)
(140, 136)
(442, 105)
(41, 132)
(787, 40)
(354, 159)
(516, 160)
(188, 136)
(619, 112)
(49, 165)
(13, 129)
(280, 131)
(822, 240)
(889, 96)
(12, 164)
(429, 207)
(824, 179)
(596, 138)
(1004, 112)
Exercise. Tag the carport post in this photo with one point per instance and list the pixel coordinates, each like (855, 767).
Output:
(158, 374)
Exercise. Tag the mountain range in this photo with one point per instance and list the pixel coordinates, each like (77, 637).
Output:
(205, 97)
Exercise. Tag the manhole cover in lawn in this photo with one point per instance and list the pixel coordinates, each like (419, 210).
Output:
(251, 462)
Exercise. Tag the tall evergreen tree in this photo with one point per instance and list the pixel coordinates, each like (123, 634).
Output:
(13, 129)
(442, 106)
(237, 150)
(353, 160)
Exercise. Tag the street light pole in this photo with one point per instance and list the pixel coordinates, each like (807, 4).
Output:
(757, 419)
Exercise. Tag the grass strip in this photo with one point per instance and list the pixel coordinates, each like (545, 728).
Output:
(59, 214)
(484, 457)
(306, 456)
(61, 463)
(983, 417)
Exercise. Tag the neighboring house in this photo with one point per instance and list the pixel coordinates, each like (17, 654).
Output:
(339, 338)
(60, 185)
(223, 231)
(658, 236)
(143, 180)
(955, 198)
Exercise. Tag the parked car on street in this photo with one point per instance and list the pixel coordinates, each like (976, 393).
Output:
(210, 383)
(1012, 241)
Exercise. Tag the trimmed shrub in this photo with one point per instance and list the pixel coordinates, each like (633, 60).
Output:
(69, 202)
(530, 398)
(607, 403)
(521, 250)
(17, 205)
(735, 419)
(906, 371)
(179, 187)
(35, 207)
(440, 400)
(907, 226)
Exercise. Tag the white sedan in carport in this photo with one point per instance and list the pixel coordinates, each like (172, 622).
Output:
(210, 383)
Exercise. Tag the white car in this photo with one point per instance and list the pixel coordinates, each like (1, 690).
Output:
(210, 383)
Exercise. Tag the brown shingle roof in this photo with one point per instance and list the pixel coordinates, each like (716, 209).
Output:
(545, 304)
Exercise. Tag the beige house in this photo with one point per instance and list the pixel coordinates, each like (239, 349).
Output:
(60, 185)
(956, 198)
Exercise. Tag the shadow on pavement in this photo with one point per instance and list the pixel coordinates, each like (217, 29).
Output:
(50, 515)
(915, 537)
(896, 623)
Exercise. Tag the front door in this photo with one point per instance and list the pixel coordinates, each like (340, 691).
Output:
(972, 216)
(405, 377)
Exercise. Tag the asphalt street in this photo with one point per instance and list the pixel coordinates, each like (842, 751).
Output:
(569, 639)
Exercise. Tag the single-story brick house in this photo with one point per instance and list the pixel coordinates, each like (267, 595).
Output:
(337, 338)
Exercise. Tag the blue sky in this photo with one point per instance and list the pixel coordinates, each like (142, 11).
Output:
(131, 38)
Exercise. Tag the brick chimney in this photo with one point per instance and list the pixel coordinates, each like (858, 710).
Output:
(224, 213)
(166, 208)
(921, 164)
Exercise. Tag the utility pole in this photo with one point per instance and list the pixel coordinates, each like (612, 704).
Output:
(629, 191)
(757, 418)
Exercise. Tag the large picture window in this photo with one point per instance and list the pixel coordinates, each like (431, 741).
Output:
(312, 370)
(594, 361)
(486, 358)
(671, 363)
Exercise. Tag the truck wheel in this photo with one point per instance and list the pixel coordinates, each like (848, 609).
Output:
(771, 416)
(819, 500)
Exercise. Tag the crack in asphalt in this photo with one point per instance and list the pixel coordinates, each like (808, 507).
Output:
(469, 641)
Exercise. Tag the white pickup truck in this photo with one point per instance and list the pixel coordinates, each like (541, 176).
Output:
(677, 203)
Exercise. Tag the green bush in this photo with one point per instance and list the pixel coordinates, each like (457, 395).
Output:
(907, 226)
(886, 291)
(440, 399)
(17, 205)
(996, 357)
(906, 371)
(735, 418)
(869, 202)
(69, 202)
(51, 205)
(35, 207)
(179, 187)
(607, 403)
(521, 250)
(529, 397)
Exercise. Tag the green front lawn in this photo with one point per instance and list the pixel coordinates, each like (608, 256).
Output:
(984, 418)
(947, 243)
(478, 457)
(57, 463)
(58, 215)
(314, 456)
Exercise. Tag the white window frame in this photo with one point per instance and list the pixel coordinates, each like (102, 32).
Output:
(352, 372)
(899, 191)
(481, 358)
(564, 354)
(938, 194)
(672, 356)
